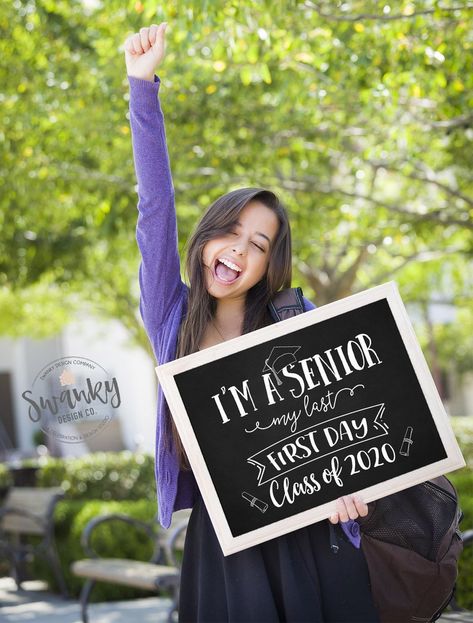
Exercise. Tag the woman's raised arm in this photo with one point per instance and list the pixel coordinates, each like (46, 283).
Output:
(156, 232)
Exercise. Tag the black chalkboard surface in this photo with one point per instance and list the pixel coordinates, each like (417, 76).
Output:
(279, 423)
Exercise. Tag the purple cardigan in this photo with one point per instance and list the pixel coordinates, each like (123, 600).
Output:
(163, 300)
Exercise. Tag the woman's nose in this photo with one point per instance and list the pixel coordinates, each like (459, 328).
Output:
(238, 248)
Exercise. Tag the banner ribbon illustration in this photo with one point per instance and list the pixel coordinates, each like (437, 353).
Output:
(317, 441)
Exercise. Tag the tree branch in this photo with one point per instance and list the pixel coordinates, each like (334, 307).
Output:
(463, 121)
(377, 16)
(421, 178)
(436, 216)
(344, 283)
(420, 256)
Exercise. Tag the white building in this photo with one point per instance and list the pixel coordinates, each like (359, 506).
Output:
(132, 426)
(104, 342)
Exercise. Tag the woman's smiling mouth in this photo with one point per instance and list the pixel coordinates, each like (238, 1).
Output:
(226, 271)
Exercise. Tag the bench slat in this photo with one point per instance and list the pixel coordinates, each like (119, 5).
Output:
(35, 500)
(129, 572)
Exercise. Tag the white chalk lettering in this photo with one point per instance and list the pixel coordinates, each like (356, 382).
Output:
(271, 389)
(290, 492)
(245, 394)
(330, 365)
(365, 342)
(218, 402)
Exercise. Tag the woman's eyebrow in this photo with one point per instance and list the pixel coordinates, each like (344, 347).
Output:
(256, 232)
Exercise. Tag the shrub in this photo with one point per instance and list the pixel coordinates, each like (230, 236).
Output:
(465, 571)
(102, 476)
(463, 481)
(5, 476)
(463, 428)
(112, 540)
(97, 484)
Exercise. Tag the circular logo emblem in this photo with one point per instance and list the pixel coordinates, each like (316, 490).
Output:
(73, 398)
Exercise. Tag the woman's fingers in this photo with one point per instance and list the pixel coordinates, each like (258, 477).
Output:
(349, 507)
(342, 509)
(144, 37)
(159, 46)
(159, 43)
(145, 50)
(153, 29)
(361, 507)
(136, 42)
(340, 512)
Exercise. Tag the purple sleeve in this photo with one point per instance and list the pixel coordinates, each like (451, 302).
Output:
(308, 304)
(156, 231)
(352, 529)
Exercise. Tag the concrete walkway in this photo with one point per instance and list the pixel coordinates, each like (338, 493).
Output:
(35, 604)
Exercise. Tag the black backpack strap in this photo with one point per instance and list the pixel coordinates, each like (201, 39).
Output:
(286, 304)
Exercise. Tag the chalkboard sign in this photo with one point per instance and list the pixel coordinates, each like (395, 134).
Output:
(279, 423)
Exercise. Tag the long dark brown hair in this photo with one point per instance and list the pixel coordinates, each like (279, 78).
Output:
(218, 220)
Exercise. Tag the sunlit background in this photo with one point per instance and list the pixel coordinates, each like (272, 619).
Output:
(359, 114)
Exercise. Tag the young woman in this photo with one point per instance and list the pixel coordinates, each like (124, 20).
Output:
(238, 257)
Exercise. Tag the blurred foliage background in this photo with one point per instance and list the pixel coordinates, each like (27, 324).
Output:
(358, 113)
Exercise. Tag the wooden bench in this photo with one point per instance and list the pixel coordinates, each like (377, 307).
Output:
(161, 572)
(29, 511)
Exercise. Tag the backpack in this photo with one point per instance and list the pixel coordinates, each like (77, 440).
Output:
(412, 543)
(286, 303)
(411, 539)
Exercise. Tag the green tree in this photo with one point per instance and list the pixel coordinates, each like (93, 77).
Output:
(359, 115)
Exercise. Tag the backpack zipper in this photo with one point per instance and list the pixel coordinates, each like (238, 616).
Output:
(431, 485)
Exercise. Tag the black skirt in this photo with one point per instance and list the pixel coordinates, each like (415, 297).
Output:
(296, 578)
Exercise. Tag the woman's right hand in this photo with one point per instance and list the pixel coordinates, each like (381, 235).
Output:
(144, 51)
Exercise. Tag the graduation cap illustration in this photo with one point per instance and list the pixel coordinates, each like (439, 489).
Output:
(279, 358)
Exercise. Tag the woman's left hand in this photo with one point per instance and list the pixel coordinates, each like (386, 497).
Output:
(349, 507)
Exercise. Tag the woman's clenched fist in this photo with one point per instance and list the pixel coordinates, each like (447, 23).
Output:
(144, 51)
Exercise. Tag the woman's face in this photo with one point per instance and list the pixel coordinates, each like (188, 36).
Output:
(246, 247)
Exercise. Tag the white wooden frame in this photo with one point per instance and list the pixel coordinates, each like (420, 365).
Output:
(166, 372)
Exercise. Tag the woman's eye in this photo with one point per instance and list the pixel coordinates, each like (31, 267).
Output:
(235, 233)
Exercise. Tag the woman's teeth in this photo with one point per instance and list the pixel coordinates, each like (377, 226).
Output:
(226, 271)
(229, 264)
